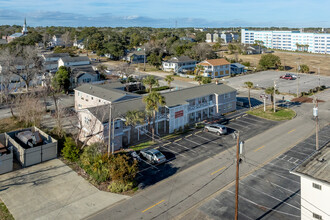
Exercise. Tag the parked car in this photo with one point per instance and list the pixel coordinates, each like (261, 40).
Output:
(216, 128)
(289, 76)
(153, 156)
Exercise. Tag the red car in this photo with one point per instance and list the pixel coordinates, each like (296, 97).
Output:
(288, 76)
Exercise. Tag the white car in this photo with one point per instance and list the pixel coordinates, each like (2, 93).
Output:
(219, 129)
(154, 156)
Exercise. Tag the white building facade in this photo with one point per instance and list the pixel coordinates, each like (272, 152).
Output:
(289, 40)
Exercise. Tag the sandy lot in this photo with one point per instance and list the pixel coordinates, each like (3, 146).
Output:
(289, 58)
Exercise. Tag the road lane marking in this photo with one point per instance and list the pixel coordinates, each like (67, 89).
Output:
(189, 135)
(178, 140)
(217, 170)
(166, 144)
(291, 131)
(259, 148)
(198, 132)
(153, 206)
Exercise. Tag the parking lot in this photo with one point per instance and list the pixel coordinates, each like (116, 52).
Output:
(266, 79)
(194, 147)
(271, 192)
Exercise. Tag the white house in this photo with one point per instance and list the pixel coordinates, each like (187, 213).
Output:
(179, 64)
(56, 41)
(315, 185)
(79, 44)
(54, 56)
(74, 61)
(215, 68)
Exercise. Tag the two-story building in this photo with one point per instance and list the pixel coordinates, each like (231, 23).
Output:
(179, 64)
(136, 57)
(51, 60)
(314, 175)
(186, 106)
(215, 68)
(73, 61)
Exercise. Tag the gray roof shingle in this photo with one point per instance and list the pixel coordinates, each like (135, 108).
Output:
(75, 59)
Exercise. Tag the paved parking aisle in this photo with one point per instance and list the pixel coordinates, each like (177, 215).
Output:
(192, 148)
(270, 192)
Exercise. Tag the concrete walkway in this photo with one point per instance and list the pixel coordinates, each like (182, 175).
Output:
(52, 190)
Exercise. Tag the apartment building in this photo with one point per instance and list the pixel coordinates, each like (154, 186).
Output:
(185, 106)
(314, 175)
(289, 40)
(215, 68)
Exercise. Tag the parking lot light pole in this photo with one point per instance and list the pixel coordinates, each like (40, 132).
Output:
(315, 114)
(237, 175)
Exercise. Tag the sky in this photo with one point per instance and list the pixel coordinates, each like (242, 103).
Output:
(167, 13)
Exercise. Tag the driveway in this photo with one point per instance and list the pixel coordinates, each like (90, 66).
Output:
(52, 190)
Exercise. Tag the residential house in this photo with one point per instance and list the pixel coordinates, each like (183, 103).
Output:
(54, 56)
(56, 40)
(136, 57)
(229, 37)
(83, 74)
(209, 38)
(237, 68)
(215, 68)
(179, 64)
(74, 61)
(186, 106)
(79, 43)
(215, 37)
(255, 49)
(190, 39)
(23, 33)
(314, 173)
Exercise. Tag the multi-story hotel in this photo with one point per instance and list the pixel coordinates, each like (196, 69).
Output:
(288, 40)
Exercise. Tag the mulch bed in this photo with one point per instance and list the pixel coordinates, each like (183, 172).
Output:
(304, 99)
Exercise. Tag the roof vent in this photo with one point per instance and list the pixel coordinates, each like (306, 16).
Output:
(321, 160)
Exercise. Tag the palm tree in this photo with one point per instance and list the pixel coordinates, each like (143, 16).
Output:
(153, 100)
(270, 91)
(169, 79)
(150, 81)
(249, 85)
(134, 118)
(199, 79)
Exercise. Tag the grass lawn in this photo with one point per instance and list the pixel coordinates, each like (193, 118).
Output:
(280, 114)
(4, 212)
(9, 124)
(142, 145)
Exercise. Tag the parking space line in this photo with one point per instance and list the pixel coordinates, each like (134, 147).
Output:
(291, 131)
(189, 135)
(198, 132)
(153, 206)
(185, 147)
(198, 144)
(166, 144)
(217, 170)
(176, 153)
(178, 140)
(259, 148)
(207, 139)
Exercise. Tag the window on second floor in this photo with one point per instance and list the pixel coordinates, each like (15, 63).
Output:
(317, 186)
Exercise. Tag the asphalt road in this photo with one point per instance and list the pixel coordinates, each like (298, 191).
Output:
(180, 193)
(271, 192)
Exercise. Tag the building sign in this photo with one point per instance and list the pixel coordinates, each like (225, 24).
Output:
(179, 114)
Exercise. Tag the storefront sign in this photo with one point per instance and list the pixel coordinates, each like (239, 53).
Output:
(179, 114)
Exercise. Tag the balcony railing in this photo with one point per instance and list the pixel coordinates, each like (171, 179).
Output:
(198, 106)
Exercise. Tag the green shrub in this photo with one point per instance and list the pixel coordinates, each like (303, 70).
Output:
(70, 150)
(95, 163)
(117, 186)
(281, 68)
(122, 169)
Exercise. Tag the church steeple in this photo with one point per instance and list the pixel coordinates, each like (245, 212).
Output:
(24, 30)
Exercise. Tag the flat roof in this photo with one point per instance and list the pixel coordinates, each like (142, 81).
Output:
(316, 166)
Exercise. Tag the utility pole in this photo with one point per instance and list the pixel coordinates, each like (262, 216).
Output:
(297, 78)
(274, 96)
(113, 136)
(315, 113)
(109, 131)
(237, 176)
(144, 59)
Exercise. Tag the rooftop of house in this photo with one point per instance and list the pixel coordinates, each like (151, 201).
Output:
(173, 98)
(80, 70)
(237, 65)
(316, 166)
(16, 35)
(74, 59)
(111, 91)
(214, 62)
(137, 52)
(3, 41)
(52, 55)
(181, 59)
